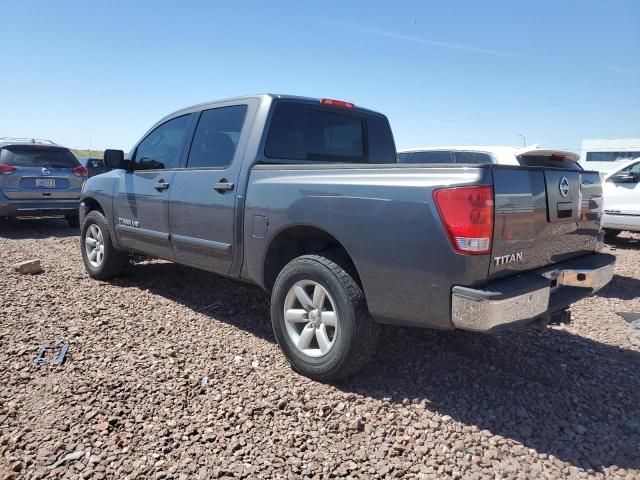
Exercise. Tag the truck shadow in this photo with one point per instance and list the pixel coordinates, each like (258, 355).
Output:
(18, 229)
(621, 287)
(626, 241)
(553, 391)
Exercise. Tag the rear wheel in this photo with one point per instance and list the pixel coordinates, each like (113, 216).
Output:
(320, 319)
(101, 259)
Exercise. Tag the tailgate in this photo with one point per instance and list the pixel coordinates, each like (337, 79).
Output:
(543, 216)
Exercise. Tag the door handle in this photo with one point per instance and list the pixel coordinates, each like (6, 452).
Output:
(223, 186)
(161, 185)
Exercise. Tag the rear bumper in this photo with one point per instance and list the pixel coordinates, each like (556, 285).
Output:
(36, 208)
(525, 297)
(621, 222)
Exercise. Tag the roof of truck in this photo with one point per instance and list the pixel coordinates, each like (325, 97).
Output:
(267, 95)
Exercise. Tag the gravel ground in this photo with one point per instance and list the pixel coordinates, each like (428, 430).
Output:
(174, 373)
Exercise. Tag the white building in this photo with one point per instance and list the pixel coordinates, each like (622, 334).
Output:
(602, 154)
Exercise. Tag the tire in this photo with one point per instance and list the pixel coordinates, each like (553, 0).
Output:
(111, 262)
(353, 339)
(73, 221)
(611, 234)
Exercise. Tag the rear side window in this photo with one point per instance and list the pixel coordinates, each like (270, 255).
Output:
(548, 161)
(439, 156)
(472, 157)
(163, 147)
(216, 138)
(38, 156)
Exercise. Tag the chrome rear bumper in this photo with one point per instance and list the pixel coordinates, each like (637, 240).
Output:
(530, 295)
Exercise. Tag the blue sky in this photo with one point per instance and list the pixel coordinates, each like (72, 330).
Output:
(98, 74)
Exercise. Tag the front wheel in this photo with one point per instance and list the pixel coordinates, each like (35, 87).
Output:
(320, 319)
(101, 259)
(610, 234)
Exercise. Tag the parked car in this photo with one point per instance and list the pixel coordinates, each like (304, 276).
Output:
(95, 166)
(500, 155)
(622, 200)
(303, 198)
(39, 178)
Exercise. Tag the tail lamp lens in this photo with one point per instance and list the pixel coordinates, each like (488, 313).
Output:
(467, 215)
(80, 171)
(6, 169)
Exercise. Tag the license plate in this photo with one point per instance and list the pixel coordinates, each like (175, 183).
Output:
(45, 183)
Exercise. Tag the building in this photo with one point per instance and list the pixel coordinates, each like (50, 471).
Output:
(602, 154)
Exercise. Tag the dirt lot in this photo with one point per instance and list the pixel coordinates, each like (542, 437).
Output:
(174, 373)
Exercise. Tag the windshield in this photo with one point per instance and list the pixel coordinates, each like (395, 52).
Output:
(38, 156)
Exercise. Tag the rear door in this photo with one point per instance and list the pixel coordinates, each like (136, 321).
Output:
(203, 199)
(40, 172)
(543, 216)
(140, 203)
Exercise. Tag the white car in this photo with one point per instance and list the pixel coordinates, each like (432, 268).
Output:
(621, 192)
(526, 156)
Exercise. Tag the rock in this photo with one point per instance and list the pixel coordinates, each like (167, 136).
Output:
(70, 457)
(579, 429)
(30, 267)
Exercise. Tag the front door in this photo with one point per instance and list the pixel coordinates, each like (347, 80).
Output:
(622, 194)
(141, 211)
(202, 201)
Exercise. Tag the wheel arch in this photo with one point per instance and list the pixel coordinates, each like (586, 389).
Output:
(294, 241)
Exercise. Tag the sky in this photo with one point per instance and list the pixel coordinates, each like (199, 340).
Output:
(98, 74)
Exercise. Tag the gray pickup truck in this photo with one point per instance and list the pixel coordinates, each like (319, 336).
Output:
(303, 198)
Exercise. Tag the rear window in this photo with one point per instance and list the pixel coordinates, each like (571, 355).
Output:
(301, 131)
(437, 156)
(548, 161)
(38, 156)
(473, 157)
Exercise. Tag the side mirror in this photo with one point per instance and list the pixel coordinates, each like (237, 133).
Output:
(625, 177)
(115, 159)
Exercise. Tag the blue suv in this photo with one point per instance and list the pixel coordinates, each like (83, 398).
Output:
(39, 178)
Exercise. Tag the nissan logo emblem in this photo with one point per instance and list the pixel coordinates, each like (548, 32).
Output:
(564, 186)
(45, 171)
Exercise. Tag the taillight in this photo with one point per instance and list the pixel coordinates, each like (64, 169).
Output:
(6, 169)
(467, 215)
(80, 171)
(337, 103)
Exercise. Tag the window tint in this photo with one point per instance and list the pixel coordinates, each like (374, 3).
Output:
(302, 132)
(163, 147)
(382, 148)
(38, 156)
(216, 138)
(431, 157)
(633, 168)
(404, 157)
(472, 157)
(611, 156)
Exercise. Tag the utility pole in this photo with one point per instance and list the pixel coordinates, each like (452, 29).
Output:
(524, 140)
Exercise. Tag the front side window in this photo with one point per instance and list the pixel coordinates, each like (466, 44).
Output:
(162, 148)
(302, 132)
(216, 137)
